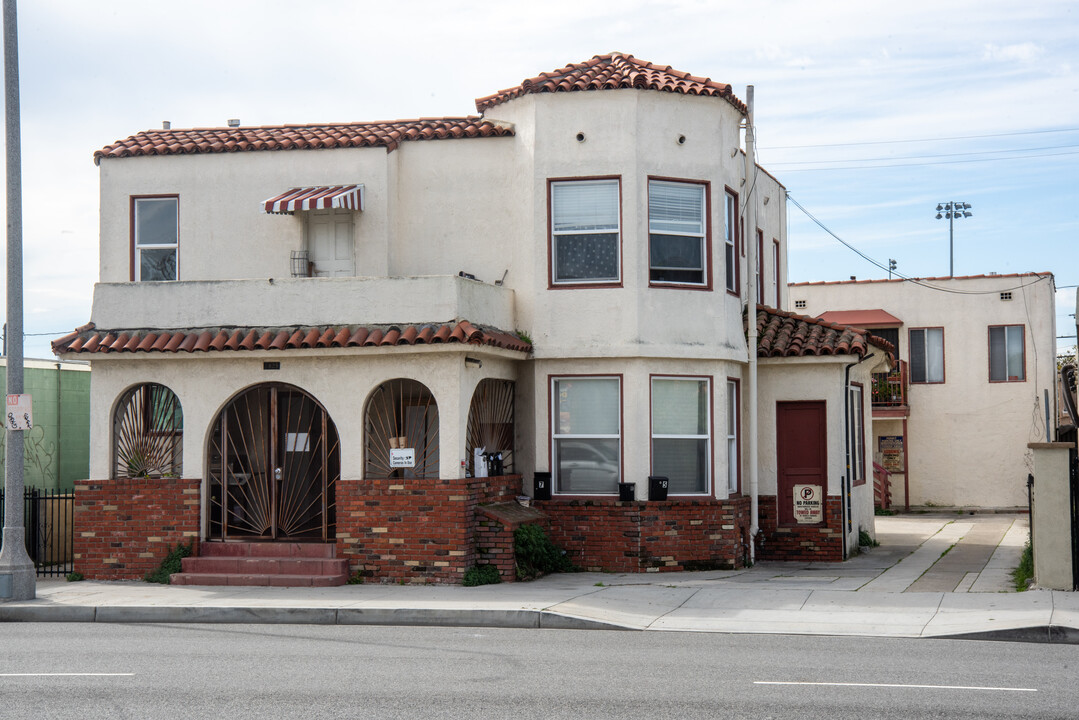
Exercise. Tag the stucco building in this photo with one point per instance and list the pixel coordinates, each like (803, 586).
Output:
(977, 365)
(310, 333)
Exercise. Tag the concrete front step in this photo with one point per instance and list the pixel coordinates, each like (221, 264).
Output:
(266, 580)
(274, 564)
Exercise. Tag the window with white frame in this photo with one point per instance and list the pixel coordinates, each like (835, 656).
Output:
(585, 232)
(734, 450)
(856, 412)
(156, 238)
(677, 238)
(586, 442)
(730, 239)
(681, 433)
(1007, 353)
(927, 355)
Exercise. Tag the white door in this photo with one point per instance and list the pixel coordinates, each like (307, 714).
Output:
(330, 243)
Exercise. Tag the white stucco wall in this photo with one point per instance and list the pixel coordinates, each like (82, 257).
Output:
(967, 437)
(817, 379)
(341, 381)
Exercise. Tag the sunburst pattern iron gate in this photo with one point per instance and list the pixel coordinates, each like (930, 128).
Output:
(274, 464)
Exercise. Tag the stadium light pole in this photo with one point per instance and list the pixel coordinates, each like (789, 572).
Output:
(952, 210)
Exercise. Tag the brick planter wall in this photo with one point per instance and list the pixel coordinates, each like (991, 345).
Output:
(806, 542)
(413, 530)
(606, 534)
(125, 527)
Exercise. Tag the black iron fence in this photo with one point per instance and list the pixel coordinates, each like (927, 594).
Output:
(47, 518)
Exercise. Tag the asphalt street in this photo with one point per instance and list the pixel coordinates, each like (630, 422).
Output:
(244, 671)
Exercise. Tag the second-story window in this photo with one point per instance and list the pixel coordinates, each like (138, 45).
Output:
(677, 233)
(730, 241)
(927, 355)
(155, 238)
(1007, 353)
(585, 232)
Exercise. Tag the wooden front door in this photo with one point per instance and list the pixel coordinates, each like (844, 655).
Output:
(801, 444)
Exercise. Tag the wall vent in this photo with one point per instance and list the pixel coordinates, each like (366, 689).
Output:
(1006, 296)
(800, 304)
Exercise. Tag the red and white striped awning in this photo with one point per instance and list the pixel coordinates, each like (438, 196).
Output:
(341, 197)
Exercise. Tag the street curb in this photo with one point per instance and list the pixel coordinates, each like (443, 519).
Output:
(517, 619)
(1053, 634)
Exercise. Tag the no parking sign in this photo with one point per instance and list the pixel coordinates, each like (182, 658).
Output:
(20, 413)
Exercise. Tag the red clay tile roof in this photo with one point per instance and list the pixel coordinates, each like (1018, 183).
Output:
(861, 318)
(785, 334)
(611, 72)
(300, 137)
(88, 339)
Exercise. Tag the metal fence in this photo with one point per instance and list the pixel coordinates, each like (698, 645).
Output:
(47, 518)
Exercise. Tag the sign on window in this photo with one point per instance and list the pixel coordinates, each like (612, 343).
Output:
(402, 457)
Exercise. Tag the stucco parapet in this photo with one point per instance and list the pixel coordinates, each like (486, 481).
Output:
(301, 301)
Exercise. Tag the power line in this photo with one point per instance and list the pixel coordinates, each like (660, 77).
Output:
(916, 281)
(942, 162)
(941, 139)
(923, 157)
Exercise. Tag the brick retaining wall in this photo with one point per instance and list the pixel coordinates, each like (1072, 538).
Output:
(606, 534)
(822, 543)
(125, 527)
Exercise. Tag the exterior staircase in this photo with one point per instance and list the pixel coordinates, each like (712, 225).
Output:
(268, 564)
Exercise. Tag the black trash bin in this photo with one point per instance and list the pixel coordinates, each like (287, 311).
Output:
(541, 486)
(627, 492)
(657, 487)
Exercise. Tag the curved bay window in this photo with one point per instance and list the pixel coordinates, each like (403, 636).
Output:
(401, 431)
(490, 427)
(147, 433)
(274, 461)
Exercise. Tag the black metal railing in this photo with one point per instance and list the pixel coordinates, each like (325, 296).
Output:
(48, 519)
(890, 389)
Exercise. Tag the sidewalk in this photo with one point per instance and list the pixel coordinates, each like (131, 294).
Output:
(932, 576)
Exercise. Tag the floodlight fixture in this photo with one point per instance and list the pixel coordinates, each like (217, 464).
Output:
(952, 210)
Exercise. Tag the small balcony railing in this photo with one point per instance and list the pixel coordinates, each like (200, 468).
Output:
(890, 389)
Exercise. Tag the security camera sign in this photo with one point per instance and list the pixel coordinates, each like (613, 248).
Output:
(20, 413)
(808, 504)
(403, 457)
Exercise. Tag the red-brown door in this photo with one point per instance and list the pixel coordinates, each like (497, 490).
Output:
(802, 450)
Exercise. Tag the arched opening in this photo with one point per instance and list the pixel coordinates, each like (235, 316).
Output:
(147, 433)
(490, 427)
(401, 431)
(274, 462)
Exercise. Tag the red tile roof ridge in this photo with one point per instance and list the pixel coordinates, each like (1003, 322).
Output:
(614, 71)
(923, 279)
(215, 339)
(787, 334)
(313, 136)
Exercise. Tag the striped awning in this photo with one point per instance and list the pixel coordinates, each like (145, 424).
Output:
(341, 197)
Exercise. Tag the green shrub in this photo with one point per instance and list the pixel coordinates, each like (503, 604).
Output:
(536, 555)
(866, 540)
(1023, 574)
(356, 578)
(74, 576)
(171, 564)
(482, 575)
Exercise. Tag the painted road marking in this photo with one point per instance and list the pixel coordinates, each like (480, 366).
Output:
(67, 674)
(895, 685)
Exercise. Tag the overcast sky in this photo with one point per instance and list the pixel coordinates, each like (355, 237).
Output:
(870, 113)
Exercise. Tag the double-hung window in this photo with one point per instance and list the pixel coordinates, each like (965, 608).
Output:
(585, 232)
(586, 442)
(681, 437)
(734, 451)
(677, 233)
(856, 411)
(927, 355)
(155, 238)
(730, 241)
(1007, 353)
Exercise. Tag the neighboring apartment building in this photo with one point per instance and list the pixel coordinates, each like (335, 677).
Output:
(56, 451)
(311, 332)
(977, 365)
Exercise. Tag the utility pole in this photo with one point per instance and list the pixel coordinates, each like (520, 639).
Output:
(18, 579)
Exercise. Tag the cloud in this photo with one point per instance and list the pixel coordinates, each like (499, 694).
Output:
(1026, 52)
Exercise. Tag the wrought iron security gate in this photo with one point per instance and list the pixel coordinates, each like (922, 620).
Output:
(274, 464)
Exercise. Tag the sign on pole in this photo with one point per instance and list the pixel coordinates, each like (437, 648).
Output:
(20, 413)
